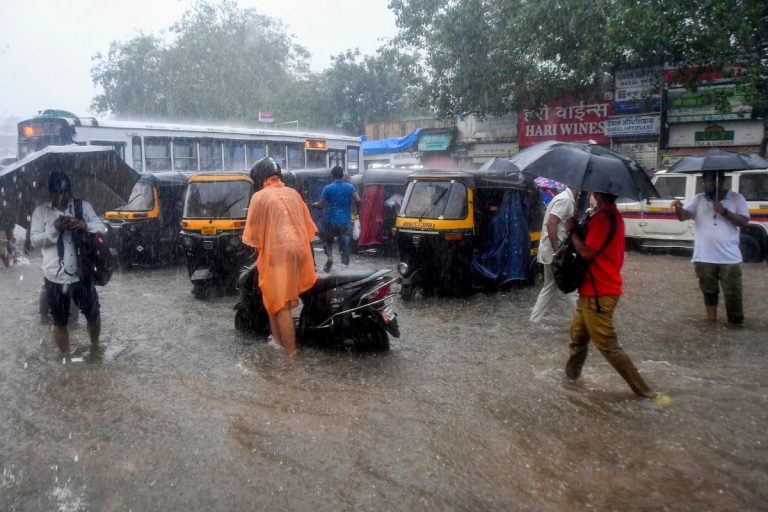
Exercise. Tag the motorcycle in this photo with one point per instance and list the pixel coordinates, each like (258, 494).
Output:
(351, 309)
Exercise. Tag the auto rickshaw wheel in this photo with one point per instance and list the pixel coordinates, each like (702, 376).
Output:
(199, 290)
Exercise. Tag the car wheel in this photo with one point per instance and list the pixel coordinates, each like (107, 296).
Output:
(751, 251)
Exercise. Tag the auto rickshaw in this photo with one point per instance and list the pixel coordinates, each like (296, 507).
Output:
(212, 223)
(382, 191)
(462, 230)
(145, 230)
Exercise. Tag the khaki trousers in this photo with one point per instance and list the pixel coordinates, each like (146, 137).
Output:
(588, 324)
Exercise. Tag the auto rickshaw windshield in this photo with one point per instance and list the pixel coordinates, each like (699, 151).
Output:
(217, 199)
(435, 200)
(142, 198)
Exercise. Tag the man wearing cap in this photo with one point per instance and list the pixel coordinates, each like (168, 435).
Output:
(51, 230)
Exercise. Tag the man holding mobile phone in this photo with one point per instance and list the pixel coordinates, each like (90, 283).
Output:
(51, 230)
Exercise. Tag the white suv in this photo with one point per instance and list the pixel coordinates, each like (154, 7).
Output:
(652, 223)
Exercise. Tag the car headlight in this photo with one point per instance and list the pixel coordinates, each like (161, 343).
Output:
(402, 268)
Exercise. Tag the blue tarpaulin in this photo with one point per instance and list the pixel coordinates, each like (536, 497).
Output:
(393, 145)
(505, 258)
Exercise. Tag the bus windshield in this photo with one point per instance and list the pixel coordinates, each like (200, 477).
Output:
(217, 199)
(142, 199)
(436, 200)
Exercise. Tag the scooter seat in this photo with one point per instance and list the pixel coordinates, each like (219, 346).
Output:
(340, 279)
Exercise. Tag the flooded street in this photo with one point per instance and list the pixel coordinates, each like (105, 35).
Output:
(467, 411)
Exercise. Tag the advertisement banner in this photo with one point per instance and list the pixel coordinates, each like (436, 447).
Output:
(632, 126)
(565, 120)
(637, 90)
(685, 106)
(716, 134)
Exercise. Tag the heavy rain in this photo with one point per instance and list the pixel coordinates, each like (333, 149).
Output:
(416, 181)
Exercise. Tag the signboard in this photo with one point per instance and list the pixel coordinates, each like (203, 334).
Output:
(685, 106)
(565, 120)
(407, 158)
(439, 141)
(637, 91)
(632, 126)
(265, 117)
(492, 150)
(644, 153)
(716, 134)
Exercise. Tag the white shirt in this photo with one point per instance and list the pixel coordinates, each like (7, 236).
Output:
(563, 205)
(716, 240)
(43, 234)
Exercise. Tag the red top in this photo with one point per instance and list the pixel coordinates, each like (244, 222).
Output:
(605, 269)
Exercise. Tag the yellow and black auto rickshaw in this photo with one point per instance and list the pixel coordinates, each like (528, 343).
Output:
(213, 219)
(145, 230)
(461, 230)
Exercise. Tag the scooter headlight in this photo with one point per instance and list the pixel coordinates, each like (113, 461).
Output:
(402, 268)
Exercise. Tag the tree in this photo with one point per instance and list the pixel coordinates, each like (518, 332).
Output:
(223, 63)
(360, 89)
(491, 56)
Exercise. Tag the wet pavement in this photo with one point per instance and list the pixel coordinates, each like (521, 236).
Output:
(467, 411)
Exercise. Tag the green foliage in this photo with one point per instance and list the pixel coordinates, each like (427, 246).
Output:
(491, 56)
(222, 63)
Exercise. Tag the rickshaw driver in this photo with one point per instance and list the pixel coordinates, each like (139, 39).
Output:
(281, 229)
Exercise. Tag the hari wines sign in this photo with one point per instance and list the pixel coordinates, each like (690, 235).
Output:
(565, 120)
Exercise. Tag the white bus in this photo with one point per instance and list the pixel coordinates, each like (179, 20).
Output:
(149, 147)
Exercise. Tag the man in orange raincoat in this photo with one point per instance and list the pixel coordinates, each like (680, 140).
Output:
(281, 229)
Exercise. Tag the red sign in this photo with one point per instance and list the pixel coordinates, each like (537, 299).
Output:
(265, 117)
(564, 120)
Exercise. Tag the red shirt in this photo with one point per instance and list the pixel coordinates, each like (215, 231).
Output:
(605, 269)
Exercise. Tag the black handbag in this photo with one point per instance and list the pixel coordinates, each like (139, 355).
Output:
(568, 266)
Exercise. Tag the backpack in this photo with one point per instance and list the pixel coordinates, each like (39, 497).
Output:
(568, 266)
(94, 257)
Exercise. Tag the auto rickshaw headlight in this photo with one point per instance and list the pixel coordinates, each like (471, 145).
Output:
(132, 227)
(187, 241)
(234, 241)
(402, 268)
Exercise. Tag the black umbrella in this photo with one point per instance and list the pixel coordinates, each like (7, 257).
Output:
(717, 160)
(587, 167)
(97, 174)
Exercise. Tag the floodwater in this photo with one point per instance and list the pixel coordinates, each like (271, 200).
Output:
(468, 411)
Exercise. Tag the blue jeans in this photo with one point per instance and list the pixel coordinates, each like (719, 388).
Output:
(344, 233)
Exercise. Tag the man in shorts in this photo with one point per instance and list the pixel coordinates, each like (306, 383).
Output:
(51, 230)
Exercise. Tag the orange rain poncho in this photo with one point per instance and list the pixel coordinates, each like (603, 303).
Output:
(280, 227)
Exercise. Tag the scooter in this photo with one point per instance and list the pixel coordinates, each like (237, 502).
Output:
(351, 309)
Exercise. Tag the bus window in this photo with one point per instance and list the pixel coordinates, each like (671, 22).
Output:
(136, 153)
(316, 159)
(185, 155)
(336, 157)
(296, 156)
(277, 150)
(158, 153)
(119, 147)
(210, 155)
(234, 155)
(353, 154)
(256, 151)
